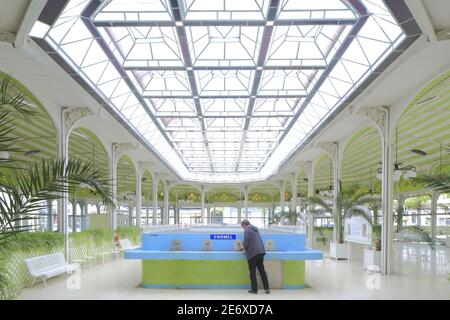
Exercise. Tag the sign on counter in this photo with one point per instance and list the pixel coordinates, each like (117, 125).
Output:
(222, 236)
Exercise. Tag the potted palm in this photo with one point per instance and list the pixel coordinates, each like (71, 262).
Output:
(346, 202)
(370, 205)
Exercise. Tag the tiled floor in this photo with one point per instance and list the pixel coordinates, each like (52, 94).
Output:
(419, 274)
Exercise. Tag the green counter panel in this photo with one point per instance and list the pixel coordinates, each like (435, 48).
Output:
(212, 274)
(294, 273)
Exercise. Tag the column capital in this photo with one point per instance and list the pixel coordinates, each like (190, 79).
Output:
(120, 148)
(143, 165)
(378, 114)
(71, 115)
(303, 164)
(330, 147)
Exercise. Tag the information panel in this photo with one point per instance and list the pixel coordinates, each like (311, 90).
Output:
(358, 230)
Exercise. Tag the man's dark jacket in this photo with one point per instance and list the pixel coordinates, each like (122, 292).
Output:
(253, 243)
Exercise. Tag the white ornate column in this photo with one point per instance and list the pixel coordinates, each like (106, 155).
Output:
(117, 149)
(434, 199)
(246, 202)
(332, 148)
(293, 205)
(282, 195)
(208, 214)
(70, 116)
(202, 194)
(165, 218)
(380, 117)
(139, 171)
(308, 167)
(141, 167)
(155, 196)
(239, 214)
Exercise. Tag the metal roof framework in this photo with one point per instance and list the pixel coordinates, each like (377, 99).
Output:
(225, 90)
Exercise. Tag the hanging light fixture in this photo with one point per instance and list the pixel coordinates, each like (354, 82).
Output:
(397, 173)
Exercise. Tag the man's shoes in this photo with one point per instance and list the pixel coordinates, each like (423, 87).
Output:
(253, 292)
(267, 291)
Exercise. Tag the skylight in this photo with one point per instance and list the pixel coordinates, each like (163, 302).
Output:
(224, 90)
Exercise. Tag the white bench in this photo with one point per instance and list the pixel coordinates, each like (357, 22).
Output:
(125, 244)
(48, 266)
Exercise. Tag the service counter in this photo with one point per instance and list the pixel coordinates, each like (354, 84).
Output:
(213, 260)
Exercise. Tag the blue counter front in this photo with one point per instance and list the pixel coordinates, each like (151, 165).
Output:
(221, 266)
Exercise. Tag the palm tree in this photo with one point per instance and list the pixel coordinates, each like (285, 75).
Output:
(24, 188)
(438, 182)
(346, 204)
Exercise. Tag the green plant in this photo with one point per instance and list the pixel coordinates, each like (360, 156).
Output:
(346, 204)
(131, 233)
(416, 202)
(400, 213)
(25, 187)
(438, 182)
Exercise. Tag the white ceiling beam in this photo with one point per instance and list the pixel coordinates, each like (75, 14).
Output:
(32, 14)
(422, 18)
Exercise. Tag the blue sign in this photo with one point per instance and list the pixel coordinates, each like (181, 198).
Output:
(222, 236)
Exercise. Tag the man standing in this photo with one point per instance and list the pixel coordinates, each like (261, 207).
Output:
(254, 249)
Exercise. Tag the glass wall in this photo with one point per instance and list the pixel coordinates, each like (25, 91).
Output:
(258, 216)
(443, 216)
(190, 216)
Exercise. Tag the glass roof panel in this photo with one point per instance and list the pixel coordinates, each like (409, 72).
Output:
(224, 107)
(225, 9)
(146, 46)
(161, 83)
(224, 82)
(224, 46)
(134, 10)
(224, 90)
(323, 9)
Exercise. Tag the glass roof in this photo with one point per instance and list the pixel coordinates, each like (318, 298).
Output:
(224, 90)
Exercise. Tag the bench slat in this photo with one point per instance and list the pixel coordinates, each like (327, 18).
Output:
(49, 265)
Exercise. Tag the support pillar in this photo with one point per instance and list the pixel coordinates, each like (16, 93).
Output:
(69, 116)
(246, 202)
(113, 181)
(293, 205)
(155, 197)
(282, 195)
(208, 212)
(74, 215)
(117, 149)
(202, 209)
(336, 185)
(310, 174)
(165, 219)
(63, 202)
(130, 215)
(434, 200)
(49, 215)
(239, 215)
(381, 118)
(139, 174)
(332, 149)
(84, 210)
